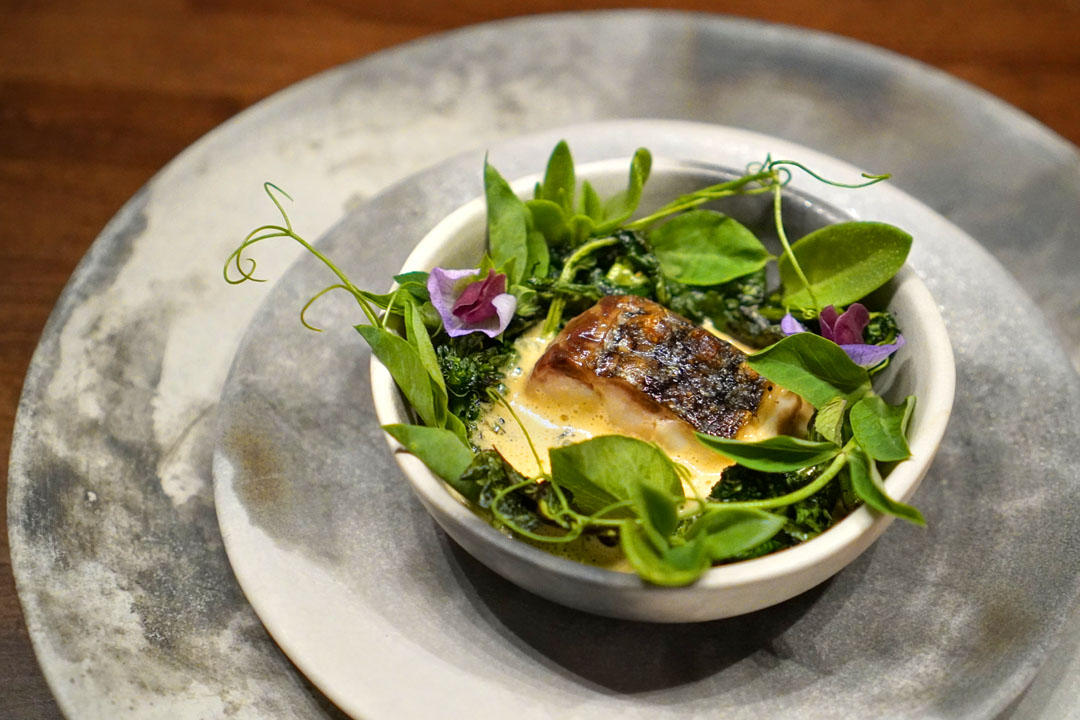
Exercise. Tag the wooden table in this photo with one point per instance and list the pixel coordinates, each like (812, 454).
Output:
(97, 96)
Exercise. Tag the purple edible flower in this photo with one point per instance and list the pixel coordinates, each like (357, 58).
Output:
(474, 304)
(868, 356)
(468, 303)
(846, 331)
(790, 325)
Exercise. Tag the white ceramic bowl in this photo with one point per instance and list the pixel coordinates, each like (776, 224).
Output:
(924, 368)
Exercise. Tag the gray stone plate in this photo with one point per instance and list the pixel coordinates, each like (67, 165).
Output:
(128, 595)
(390, 619)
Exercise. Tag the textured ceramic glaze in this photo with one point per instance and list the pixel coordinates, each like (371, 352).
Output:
(127, 592)
(925, 369)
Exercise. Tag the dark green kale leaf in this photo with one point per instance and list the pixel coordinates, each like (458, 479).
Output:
(881, 329)
(489, 474)
(806, 518)
(629, 267)
(470, 364)
(740, 308)
(623, 267)
(550, 288)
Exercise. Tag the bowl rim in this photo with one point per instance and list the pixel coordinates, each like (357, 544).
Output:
(862, 523)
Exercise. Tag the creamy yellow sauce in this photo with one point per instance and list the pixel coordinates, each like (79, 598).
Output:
(562, 411)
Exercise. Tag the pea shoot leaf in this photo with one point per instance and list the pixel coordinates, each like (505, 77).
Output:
(782, 453)
(414, 283)
(581, 227)
(717, 535)
(559, 183)
(539, 256)
(622, 205)
(508, 226)
(407, 368)
(703, 247)
(727, 532)
(868, 486)
(608, 468)
(843, 263)
(658, 511)
(418, 336)
(879, 427)
(663, 565)
(591, 204)
(441, 450)
(550, 220)
(829, 422)
(812, 367)
(457, 426)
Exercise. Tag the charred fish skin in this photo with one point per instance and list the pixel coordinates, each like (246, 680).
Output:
(678, 366)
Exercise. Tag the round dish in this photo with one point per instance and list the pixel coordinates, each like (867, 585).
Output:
(924, 368)
(364, 592)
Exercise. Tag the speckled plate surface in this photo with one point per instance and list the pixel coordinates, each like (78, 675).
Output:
(128, 595)
(336, 556)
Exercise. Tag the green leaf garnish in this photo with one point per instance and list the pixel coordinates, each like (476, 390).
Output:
(441, 450)
(550, 220)
(538, 253)
(842, 263)
(668, 566)
(658, 511)
(608, 469)
(776, 454)
(829, 422)
(559, 183)
(508, 226)
(868, 486)
(879, 427)
(812, 367)
(622, 205)
(591, 205)
(418, 337)
(728, 532)
(702, 247)
(407, 368)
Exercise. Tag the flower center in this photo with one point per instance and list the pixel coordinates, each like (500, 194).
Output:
(474, 304)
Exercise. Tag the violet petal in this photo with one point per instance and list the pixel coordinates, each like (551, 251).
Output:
(444, 288)
(447, 286)
(848, 328)
(474, 304)
(827, 319)
(475, 313)
(790, 325)
(504, 305)
(870, 355)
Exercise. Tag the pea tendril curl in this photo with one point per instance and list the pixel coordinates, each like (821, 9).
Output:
(268, 232)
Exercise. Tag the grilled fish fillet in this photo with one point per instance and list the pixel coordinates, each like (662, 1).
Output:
(659, 377)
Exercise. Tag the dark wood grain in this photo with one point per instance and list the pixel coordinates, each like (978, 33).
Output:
(96, 95)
